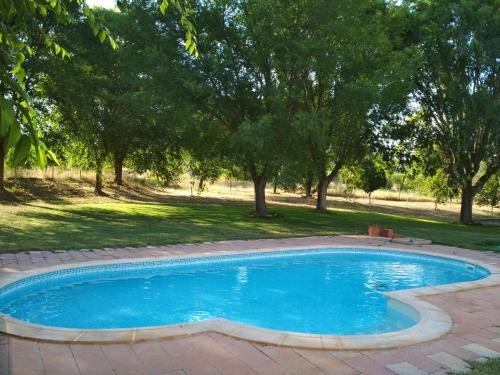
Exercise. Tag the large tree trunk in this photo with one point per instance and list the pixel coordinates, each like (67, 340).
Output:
(2, 166)
(323, 183)
(118, 170)
(469, 191)
(322, 191)
(98, 179)
(466, 207)
(259, 184)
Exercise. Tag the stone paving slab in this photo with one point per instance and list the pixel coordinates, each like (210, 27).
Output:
(450, 361)
(475, 333)
(481, 351)
(405, 368)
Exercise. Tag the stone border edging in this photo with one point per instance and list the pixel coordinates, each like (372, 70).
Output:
(432, 324)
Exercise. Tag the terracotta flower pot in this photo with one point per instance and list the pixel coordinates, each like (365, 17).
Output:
(374, 230)
(389, 233)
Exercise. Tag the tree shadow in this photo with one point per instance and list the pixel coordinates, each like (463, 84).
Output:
(22, 190)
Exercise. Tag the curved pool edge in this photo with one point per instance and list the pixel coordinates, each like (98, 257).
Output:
(433, 322)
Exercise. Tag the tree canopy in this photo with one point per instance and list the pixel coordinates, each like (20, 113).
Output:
(457, 87)
(283, 92)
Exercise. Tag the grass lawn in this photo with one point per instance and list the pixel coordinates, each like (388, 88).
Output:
(76, 226)
(491, 367)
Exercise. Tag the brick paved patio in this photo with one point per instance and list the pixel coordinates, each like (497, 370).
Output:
(475, 333)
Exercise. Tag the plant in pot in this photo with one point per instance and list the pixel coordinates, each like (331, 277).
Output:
(374, 230)
(369, 175)
(389, 233)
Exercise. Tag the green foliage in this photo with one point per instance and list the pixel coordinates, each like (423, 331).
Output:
(162, 160)
(347, 77)
(457, 88)
(291, 92)
(186, 12)
(398, 181)
(112, 102)
(233, 83)
(371, 175)
(203, 140)
(27, 29)
(204, 170)
(326, 142)
(490, 193)
(76, 154)
(440, 187)
(293, 176)
(311, 79)
(7, 117)
(75, 97)
(253, 142)
(20, 21)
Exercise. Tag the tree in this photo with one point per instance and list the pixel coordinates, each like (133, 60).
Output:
(490, 193)
(308, 77)
(293, 176)
(458, 88)
(167, 121)
(331, 145)
(440, 188)
(203, 140)
(346, 71)
(162, 159)
(81, 93)
(399, 181)
(234, 84)
(111, 99)
(370, 176)
(24, 23)
(128, 91)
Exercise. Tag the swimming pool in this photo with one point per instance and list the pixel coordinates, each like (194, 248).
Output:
(329, 291)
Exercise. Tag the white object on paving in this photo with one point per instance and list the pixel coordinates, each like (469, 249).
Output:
(481, 350)
(405, 368)
(450, 361)
(497, 340)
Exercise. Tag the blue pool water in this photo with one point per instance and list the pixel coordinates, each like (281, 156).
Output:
(327, 291)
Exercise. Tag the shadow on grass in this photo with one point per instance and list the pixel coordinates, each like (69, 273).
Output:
(109, 225)
(22, 190)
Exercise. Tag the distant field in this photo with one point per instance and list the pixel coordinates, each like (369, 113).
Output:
(42, 226)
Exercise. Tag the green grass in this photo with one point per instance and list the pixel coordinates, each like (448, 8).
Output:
(491, 367)
(76, 226)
